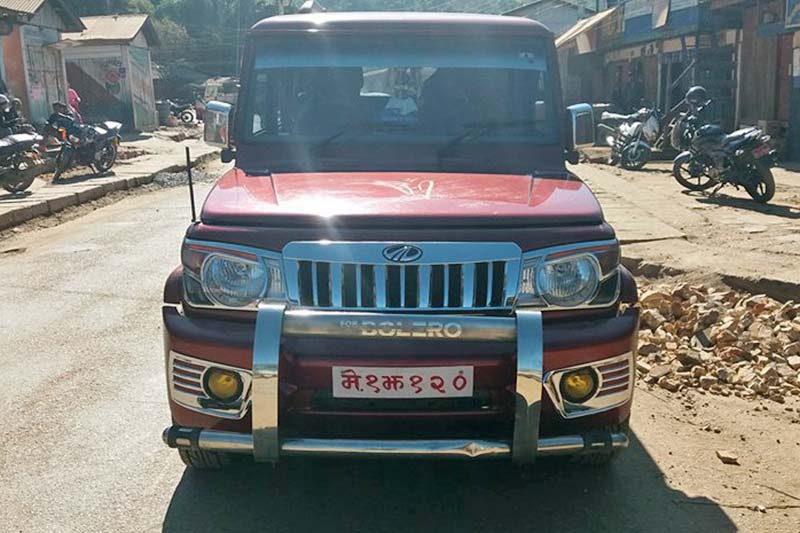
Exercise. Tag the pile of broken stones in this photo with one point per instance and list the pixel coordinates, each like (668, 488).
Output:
(719, 342)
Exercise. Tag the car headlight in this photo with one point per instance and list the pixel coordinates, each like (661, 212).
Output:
(568, 282)
(568, 277)
(234, 277)
(231, 281)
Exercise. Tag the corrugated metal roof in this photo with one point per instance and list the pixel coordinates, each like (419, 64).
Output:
(109, 28)
(31, 7)
(583, 26)
(22, 6)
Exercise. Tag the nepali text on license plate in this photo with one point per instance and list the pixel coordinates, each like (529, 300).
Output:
(387, 382)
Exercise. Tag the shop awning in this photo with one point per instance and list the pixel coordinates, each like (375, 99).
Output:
(580, 32)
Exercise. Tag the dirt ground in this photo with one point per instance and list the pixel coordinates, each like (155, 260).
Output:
(751, 246)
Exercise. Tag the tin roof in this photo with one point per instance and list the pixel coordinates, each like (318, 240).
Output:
(30, 7)
(113, 29)
(22, 6)
(460, 23)
(583, 26)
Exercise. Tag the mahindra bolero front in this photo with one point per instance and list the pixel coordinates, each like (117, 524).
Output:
(399, 263)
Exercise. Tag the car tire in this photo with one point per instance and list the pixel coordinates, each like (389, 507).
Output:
(603, 458)
(204, 460)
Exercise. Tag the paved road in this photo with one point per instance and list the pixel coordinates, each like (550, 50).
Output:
(83, 405)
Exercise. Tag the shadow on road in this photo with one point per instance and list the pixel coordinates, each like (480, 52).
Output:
(778, 210)
(14, 195)
(439, 496)
(76, 177)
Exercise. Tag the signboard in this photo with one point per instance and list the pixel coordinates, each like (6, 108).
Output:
(660, 13)
(683, 4)
(792, 13)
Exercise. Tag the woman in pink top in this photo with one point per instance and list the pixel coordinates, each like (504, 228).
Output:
(75, 103)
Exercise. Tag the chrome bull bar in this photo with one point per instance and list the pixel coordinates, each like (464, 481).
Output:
(274, 321)
(242, 443)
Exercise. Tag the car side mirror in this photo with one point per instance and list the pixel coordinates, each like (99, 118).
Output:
(218, 120)
(580, 130)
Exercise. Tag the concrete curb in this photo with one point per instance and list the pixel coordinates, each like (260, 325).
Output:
(46, 202)
(781, 290)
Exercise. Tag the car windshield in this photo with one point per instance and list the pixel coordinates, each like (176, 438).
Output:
(322, 93)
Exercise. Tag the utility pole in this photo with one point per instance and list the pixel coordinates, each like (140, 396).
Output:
(279, 7)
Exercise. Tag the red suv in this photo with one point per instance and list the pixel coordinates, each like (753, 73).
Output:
(399, 263)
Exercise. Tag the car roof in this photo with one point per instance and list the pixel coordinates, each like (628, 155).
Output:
(388, 21)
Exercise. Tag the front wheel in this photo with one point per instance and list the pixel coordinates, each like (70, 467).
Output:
(204, 460)
(690, 173)
(603, 458)
(761, 186)
(22, 177)
(105, 158)
(635, 157)
(18, 185)
(62, 164)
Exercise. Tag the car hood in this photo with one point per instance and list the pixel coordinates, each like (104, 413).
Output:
(408, 198)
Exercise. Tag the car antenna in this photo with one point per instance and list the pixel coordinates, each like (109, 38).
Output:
(191, 184)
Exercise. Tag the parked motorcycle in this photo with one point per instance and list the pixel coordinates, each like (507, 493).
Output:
(742, 159)
(20, 161)
(633, 138)
(185, 112)
(91, 145)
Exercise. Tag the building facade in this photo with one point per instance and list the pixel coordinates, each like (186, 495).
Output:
(32, 65)
(109, 65)
(649, 52)
(558, 15)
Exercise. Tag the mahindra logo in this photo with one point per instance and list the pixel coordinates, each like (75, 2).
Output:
(402, 253)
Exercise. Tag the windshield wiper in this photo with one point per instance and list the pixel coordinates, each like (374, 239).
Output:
(476, 130)
(364, 127)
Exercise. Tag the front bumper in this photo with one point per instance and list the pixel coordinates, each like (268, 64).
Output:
(529, 438)
(241, 443)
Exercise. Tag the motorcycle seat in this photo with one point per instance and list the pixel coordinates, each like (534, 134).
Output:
(18, 141)
(739, 136)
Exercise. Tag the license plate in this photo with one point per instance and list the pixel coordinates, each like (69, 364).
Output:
(402, 383)
(761, 151)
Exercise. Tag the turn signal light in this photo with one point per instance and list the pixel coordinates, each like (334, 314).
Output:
(223, 385)
(579, 385)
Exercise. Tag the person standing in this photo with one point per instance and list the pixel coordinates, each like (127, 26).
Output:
(74, 101)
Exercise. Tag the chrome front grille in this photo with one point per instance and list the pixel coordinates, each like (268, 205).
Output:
(446, 276)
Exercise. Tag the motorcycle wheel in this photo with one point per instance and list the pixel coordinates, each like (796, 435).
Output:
(634, 157)
(107, 158)
(187, 117)
(691, 174)
(16, 184)
(762, 186)
(61, 166)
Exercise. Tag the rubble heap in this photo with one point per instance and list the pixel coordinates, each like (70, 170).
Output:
(719, 342)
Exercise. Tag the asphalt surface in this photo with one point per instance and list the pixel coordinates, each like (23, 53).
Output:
(84, 403)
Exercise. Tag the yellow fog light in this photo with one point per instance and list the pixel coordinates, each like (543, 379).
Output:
(223, 385)
(579, 385)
